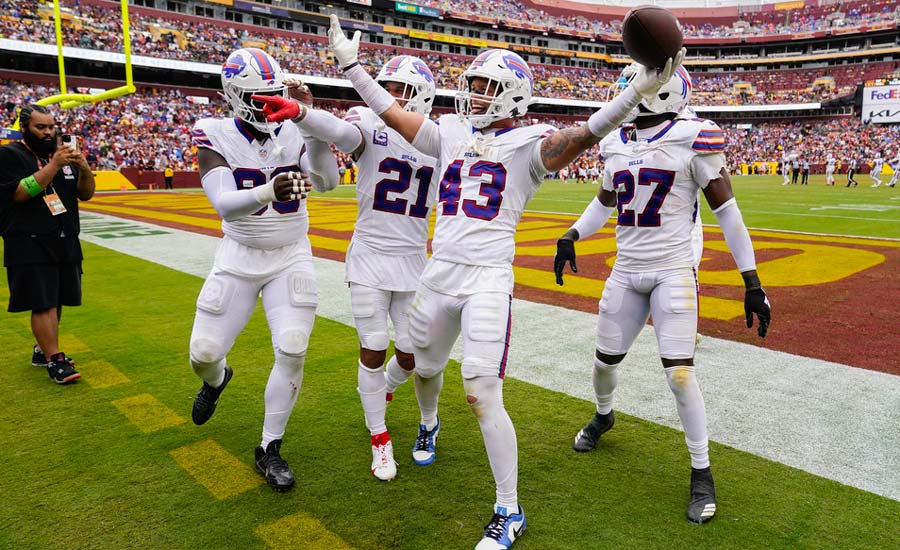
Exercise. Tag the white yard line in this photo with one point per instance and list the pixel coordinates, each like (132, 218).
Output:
(832, 420)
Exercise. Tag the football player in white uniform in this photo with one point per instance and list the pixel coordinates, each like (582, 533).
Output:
(489, 168)
(387, 253)
(652, 173)
(829, 169)
(255, 175)
(877, 167)
(895, 166)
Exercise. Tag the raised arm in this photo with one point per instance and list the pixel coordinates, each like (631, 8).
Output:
(406, 123)
(561, 148)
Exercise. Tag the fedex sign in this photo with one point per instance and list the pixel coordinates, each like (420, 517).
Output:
(881, 104)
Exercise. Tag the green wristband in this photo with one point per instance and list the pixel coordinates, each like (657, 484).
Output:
(32, 187)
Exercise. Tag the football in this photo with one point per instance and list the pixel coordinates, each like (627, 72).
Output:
(651, 35)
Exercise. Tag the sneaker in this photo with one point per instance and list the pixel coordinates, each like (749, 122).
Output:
(38, 359)
(207, 399)
(703, 496)
(61, 369)
(423, 451)
(503, 529)
(274, 468)
(587, 438)
(383, 465)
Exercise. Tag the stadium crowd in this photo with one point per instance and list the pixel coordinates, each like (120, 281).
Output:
(151, 130)
(751, 23)
(200, 40)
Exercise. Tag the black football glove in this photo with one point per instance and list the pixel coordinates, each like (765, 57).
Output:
(565, 252)
(756, 301)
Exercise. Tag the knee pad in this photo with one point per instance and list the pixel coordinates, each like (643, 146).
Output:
(293, 364)
(206, 350)
(292, 342)
(370, 317)
(216, 292)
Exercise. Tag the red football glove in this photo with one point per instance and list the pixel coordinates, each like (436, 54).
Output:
(277, 108)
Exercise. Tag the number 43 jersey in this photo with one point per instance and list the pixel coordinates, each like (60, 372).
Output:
(655, 174)
(486, 180)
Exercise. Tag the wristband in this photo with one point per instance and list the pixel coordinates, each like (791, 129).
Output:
(32, 187)
(350, 66)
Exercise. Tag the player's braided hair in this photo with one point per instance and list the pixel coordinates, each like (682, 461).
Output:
(26, 112)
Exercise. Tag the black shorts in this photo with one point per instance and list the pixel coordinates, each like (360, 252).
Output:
(37, 287)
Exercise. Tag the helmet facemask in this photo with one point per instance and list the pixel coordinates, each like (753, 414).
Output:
(249, 72)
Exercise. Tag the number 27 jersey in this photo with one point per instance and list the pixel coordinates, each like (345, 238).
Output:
(656, 181)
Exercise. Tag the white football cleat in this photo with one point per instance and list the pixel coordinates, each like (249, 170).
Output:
(383, 465)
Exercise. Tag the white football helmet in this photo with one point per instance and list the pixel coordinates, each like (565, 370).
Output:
(672, 97)
(417, 79)
(510, 84)
(250, 71)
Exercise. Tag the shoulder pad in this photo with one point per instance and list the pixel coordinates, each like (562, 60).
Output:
(199, 135)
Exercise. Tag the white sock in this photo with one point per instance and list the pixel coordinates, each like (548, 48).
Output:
(211, 373)
(372, 389)
(395, 374)
(692, 411)
(499, 436)
(428, 390)
(605, 378)
(282, 391)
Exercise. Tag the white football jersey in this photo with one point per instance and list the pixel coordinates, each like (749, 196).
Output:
(253, 164)
(656, 181)
(486, 178)
(877, 164)
(829, 163)
(395, 190)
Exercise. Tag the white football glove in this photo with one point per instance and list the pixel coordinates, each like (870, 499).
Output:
(346, 51)
(648, 81)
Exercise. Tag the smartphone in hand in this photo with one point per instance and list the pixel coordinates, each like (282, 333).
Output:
(69, 141)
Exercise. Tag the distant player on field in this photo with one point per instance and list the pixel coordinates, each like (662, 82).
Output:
(877, 167)
(387, 253)
(256, 175)
(652, 174)
(895, 166)
(829, 169)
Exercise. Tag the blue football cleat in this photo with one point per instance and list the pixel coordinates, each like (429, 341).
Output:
(503, 529)
(423, 451)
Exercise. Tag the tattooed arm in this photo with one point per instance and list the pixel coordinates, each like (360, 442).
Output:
(562, 147)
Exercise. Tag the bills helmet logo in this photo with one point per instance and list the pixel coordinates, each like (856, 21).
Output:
(423, 70)
(234, 66)
(518, 66)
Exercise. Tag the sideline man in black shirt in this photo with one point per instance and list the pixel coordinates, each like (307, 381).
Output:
(40, 186)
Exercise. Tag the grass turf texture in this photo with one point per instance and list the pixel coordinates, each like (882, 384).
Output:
(77, 474)
(765, 203)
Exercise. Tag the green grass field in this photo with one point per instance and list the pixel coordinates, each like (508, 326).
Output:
(77, 474)
(765, 203)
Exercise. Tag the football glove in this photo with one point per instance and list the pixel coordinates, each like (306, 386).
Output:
(565, 252)
(648, 80)
(345, 50)
(756, 301)
(277, 108)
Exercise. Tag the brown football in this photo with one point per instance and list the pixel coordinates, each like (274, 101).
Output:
(651, 35)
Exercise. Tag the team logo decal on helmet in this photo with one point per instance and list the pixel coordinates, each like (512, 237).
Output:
(246, 72)
(672, 97)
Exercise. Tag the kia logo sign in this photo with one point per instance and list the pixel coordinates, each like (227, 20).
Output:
(881, 104)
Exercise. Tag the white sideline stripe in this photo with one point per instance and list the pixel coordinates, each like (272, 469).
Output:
(831, 420)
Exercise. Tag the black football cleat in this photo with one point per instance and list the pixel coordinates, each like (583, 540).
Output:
(274, 468)
(587, 438)
(207, 399)
(62, 369)
(703, 496)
